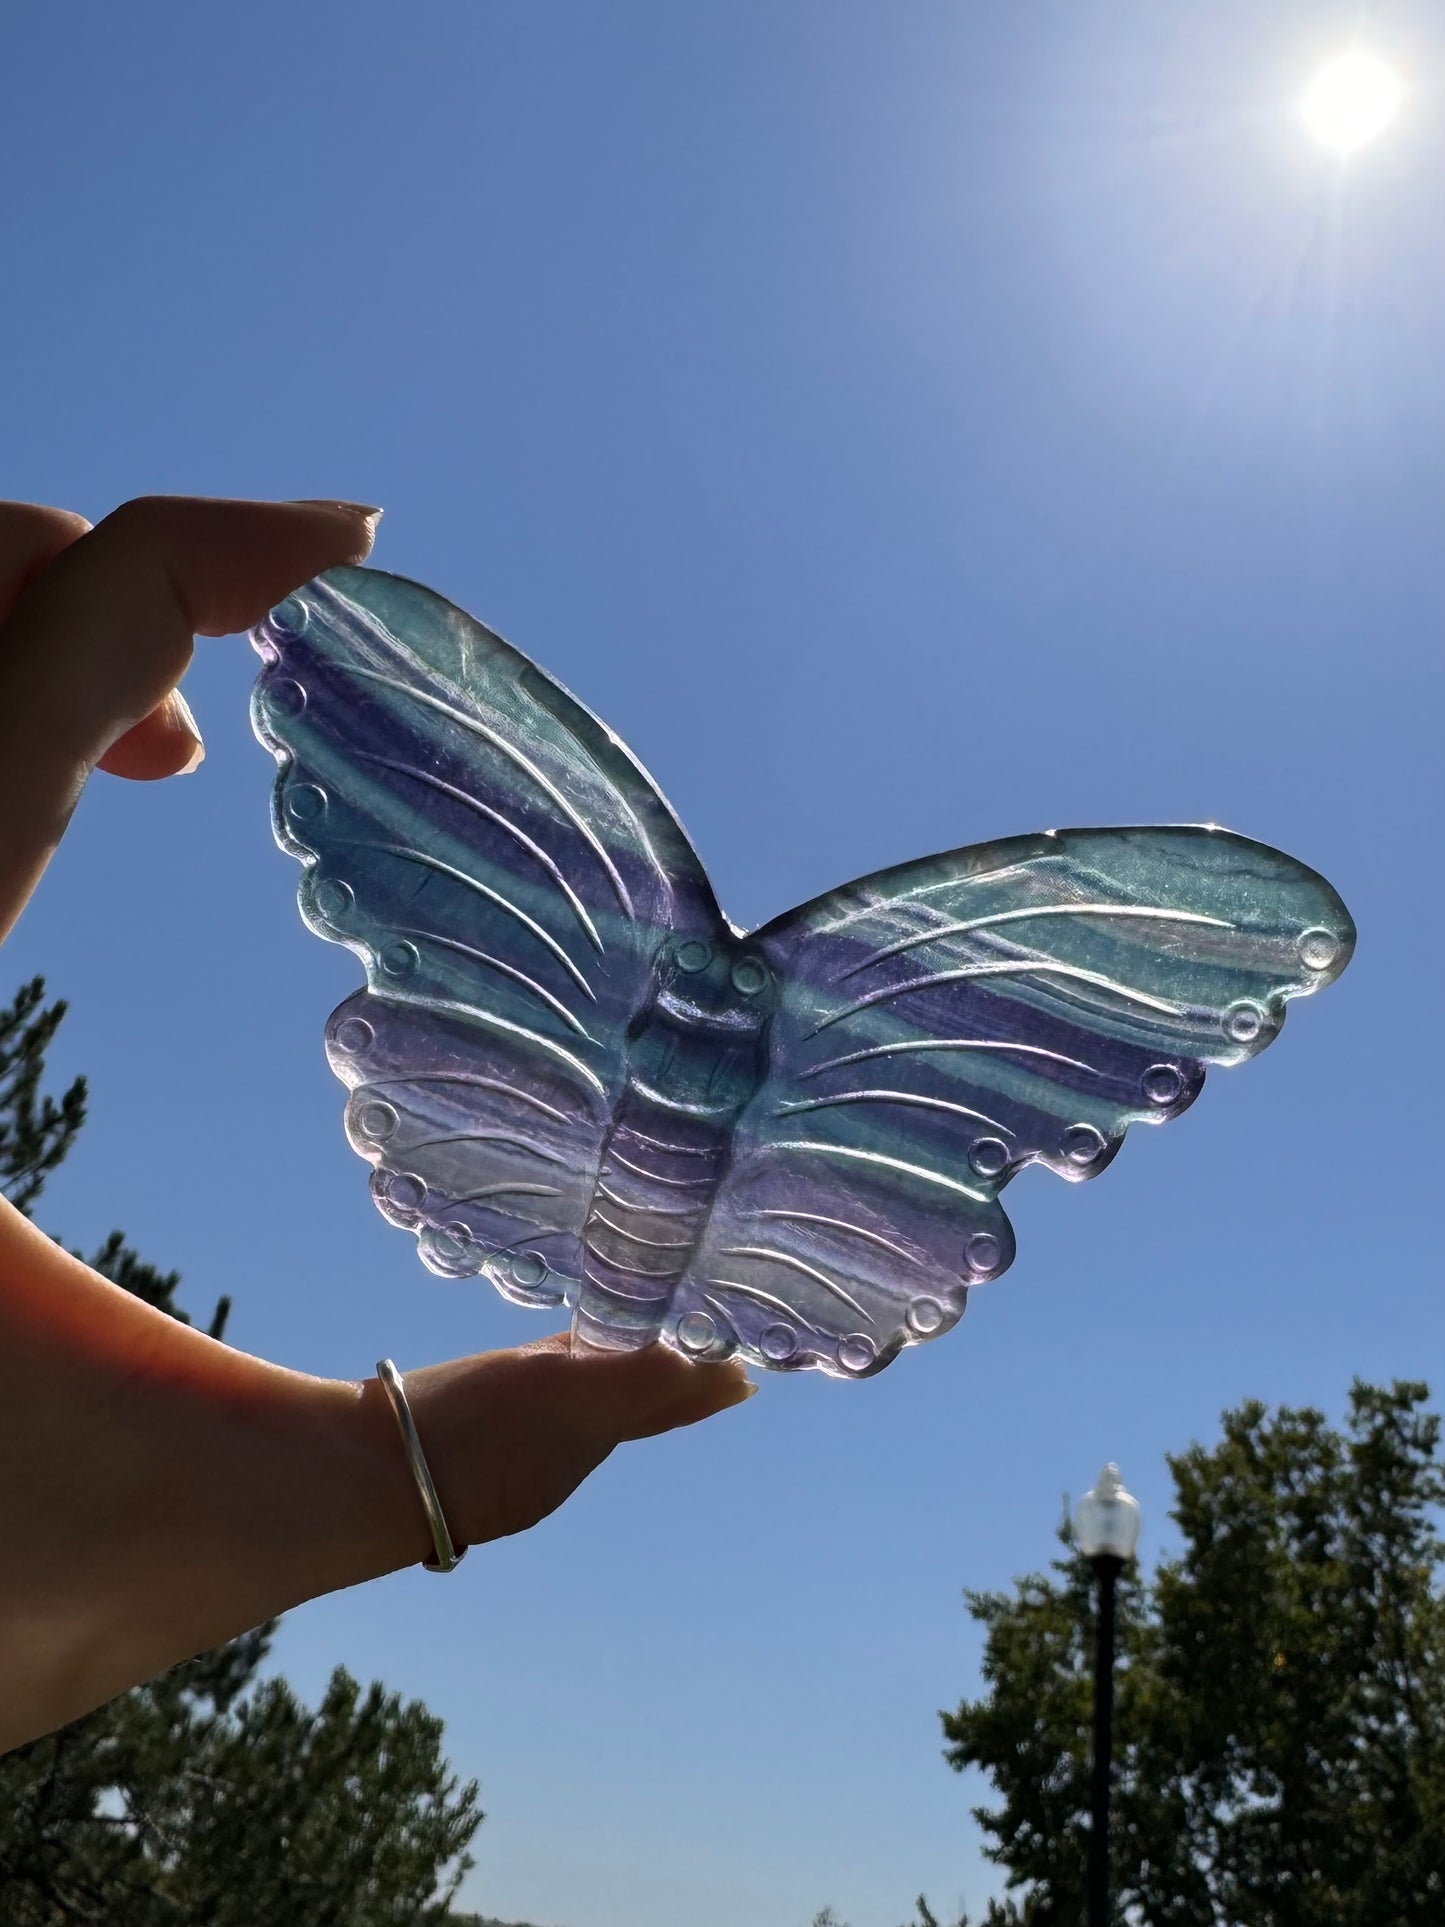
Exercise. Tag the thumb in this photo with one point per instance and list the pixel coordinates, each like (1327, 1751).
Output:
(509, 1435)
(167, 742)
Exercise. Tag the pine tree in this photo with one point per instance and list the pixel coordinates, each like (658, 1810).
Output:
(213, 1795)
(35, 1131)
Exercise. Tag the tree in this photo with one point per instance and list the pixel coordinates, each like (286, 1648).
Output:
(1280, 1721)
(210, 1794)
(35, 1131)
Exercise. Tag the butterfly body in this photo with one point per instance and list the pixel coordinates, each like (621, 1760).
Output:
(573, 1075)
(694, 1060)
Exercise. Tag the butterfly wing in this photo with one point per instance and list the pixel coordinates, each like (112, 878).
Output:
(943, 1024)
(506, 872)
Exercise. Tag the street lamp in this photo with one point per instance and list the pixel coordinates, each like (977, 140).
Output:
(1106, 1531)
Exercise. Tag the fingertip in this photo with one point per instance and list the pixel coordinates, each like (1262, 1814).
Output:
(637, 1394)
(167, 742)
(728, 1389)
(360, 516)
(684, 1393)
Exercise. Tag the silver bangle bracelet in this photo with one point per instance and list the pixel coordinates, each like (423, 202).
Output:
(448, 1555)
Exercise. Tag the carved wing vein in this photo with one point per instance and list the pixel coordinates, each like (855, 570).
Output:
(509, 1190)
(478, 728)
(890, 1097)
(482, 889)
(569, 1017)
(883, 1163)
(946, 1043)
(796, 1264)
(468, 1077)
(758, 1297)
(1033, 967)
(940, 931)
(533, 849)
(842, 1224)
(484, 1137)
(474, 1014)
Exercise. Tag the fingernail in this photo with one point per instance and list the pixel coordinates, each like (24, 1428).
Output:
(740, 1390)
(327, 502)
(184, 715)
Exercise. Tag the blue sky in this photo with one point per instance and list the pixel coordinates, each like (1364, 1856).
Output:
(907, 425)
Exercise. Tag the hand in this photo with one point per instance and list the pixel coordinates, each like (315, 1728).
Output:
(98, 629)
(160, 1492)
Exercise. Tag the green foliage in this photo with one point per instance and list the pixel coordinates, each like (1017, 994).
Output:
(1280, 1723)
(161, 1808)
(115, 1260)
(35, 1130)
(209, 1795)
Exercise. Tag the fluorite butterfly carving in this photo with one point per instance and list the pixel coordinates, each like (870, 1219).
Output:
(570, 1072)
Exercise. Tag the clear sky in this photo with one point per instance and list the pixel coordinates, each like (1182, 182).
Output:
(908, 425)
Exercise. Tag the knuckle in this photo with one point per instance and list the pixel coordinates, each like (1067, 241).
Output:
(141, 515)
(33, 534)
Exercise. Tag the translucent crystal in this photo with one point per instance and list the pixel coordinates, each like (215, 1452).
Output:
(571, 1073)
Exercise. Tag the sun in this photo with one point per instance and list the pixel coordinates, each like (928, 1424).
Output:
(1351, 99)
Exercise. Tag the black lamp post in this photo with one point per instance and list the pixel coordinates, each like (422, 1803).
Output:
(1106, 1531)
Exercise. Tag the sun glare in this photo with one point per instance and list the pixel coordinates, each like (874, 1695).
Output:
(1350, 100)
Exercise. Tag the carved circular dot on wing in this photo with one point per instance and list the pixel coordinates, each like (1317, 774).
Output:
(779, 1343)
(1081, 1144)
(856, 1352)
(983, 1252)
(286, 696)
(925, 1316)
(1243, 1021)
(333, 899)
(353, 1035)
(529, 1269)
(696, 1331)
(305, 802)
(441, 1243)
(376, 1120)
(1163, 1083)
(291, 614)
(988, 1156)
(406, 1190)
(399, 959)
(749, 975)
(1318, 949)
(692, 956)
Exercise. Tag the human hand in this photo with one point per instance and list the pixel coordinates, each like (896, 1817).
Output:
(97, 627)
(160, 1492)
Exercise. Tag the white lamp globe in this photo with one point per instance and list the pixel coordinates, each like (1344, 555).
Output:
(1107, 1521)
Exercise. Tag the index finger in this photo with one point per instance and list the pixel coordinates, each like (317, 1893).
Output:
(106, 631)
(104, 635)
